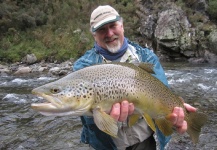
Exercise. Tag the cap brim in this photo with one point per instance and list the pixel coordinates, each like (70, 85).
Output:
(105, 21)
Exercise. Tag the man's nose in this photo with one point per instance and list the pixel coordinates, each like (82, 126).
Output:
(109, 33)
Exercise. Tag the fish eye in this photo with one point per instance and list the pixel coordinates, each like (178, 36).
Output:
(55, 90)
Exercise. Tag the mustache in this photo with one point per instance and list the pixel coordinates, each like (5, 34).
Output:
(111, 38)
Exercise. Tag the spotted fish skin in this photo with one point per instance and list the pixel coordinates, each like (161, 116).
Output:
(93, 90)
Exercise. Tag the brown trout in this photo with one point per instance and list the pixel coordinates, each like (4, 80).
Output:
(93, 90)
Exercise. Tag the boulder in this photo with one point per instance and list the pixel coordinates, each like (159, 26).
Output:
(199, 5)
(171, 30)
(178, 32)
(55, 70)
(197, 60)
(4, 69)
(29, 59)
(23, 70)
(213, 41)
(210, 57)
(147, 27)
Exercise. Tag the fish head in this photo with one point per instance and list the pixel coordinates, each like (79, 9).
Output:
(65, 97)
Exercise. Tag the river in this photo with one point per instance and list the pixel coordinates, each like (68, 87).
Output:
(21, 128)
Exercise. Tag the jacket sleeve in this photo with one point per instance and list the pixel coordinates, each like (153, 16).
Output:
(158, 69)
(91, 57)
(83, 61)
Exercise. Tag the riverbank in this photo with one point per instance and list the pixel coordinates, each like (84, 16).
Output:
(63, 68)
(19, 68)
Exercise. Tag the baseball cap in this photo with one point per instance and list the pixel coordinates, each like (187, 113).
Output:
(103, 15)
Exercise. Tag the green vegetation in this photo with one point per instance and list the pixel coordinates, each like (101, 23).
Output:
(212, 9)
(53, 30)
(58, 30)
(197, 18)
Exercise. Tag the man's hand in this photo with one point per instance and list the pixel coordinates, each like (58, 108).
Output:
(120, 112)
(177, 118)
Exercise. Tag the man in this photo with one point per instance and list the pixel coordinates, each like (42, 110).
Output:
(111, 45)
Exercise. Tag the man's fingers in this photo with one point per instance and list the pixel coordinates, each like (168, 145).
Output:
(124, 111)
(182, 129)
(115, 112)
(177, 118)
(178, 122)
(131, 109)
(120, 111)
(190, 108)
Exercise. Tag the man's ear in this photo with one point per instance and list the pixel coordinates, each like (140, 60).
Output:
(122, 26)
(94, 36)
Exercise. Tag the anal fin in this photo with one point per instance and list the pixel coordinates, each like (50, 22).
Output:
(150, 122)
(133, 119)
(165, 126)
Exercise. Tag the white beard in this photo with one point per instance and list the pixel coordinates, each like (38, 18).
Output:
(115, 48)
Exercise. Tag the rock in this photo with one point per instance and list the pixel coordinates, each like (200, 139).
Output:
(61, 69)
(23, 70)
(178, 32)
(77, 31)
(14, 67)
(39, 68)
(213, 41)
(147, 27)
(63, 72)
(188, 43)
(197, 60)
(172, 25)
(4, 69)
(200, 5)
(29, 59)
(67, 65)
(55, 70)
(210, 57)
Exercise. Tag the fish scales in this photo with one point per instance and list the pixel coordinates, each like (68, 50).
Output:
(93, 90)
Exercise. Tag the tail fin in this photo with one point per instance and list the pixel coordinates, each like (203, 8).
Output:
(195, 122)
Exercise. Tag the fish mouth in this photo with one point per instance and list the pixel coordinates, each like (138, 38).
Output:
(48, 109)
(53, 106)
(50, 99)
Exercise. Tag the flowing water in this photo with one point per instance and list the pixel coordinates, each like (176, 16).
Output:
(21, 128)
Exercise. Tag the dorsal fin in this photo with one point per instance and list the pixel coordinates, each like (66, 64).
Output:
(147, 67)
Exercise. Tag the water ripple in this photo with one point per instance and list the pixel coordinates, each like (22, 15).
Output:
(23, 128)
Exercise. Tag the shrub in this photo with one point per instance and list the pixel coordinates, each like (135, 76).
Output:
(46, 28)
(212, 9)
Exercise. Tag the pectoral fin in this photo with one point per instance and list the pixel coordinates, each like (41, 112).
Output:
(165, 126)
(150, 122)
(105, 122)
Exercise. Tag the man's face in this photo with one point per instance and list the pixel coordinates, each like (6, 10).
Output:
(110, 36)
